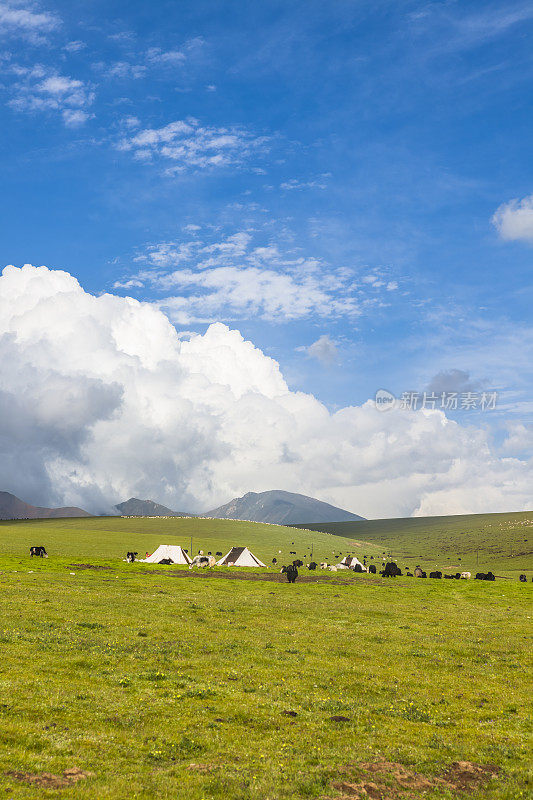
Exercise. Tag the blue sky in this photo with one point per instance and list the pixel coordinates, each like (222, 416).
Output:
(347, 184)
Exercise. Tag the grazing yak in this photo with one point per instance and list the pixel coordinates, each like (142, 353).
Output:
(419, 572)
(312, 565)
(291, 572)
(522, 579)
(130, 557)
(435, 574)
(485, 576)
(465, 576)
(391, 570)
(298, 562)
(203, 561)
(372, 569)
(38, 550)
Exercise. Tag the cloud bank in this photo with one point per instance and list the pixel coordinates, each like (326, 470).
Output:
(102, 399)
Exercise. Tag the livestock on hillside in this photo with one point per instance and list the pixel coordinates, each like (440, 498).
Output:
(312, 565)
(130, 556)
(203, 562)
(39, 551)
(465, 576)
(419, 572)
(391, 570)
(435, 574)
(292, 573)
(522, 579)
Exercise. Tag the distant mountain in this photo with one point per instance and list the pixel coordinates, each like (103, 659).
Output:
(12, 507)
(282, 508)
(146, 508)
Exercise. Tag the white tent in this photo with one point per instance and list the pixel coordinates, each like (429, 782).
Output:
(174, 552)
(240, 557)
(351, 561)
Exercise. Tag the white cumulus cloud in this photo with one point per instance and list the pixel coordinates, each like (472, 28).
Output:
(101, 399)
(514, 220)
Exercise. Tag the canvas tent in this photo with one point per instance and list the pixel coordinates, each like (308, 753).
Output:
(240, 557)
(176, 554)
(350, 561)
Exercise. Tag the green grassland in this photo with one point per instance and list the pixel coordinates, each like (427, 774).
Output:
(168, 684)
(474, 542)
(112, 537)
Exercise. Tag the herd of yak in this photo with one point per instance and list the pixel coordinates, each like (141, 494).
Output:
(390, 570)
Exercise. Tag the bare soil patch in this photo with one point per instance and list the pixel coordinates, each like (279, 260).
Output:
(89, 566)
(46, 780)
(269, 577)
(386, 780)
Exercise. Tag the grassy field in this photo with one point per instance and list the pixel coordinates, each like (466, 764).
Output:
(164, 683)
(475, 542)
(112, 537)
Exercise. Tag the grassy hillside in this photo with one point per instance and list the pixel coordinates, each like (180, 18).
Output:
(208, 689)
(502, 543)
(112, 537)
(474, 542)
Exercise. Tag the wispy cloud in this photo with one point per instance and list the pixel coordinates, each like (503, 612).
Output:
(120, 70)
(314, 183)
(39, 89)
(514, 220)
(460, 31)
(155, 55)
(237, 278)
(25, 20)
(187, 145)
(75, 46)
(152, 59)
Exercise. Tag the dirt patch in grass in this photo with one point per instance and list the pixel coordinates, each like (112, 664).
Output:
(269, 577)
(46, 780)
(89, 566)
(386, 780)
(466, 777)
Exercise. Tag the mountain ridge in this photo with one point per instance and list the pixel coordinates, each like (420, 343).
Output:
(12, 507)
(147, 508)
(282, 508)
